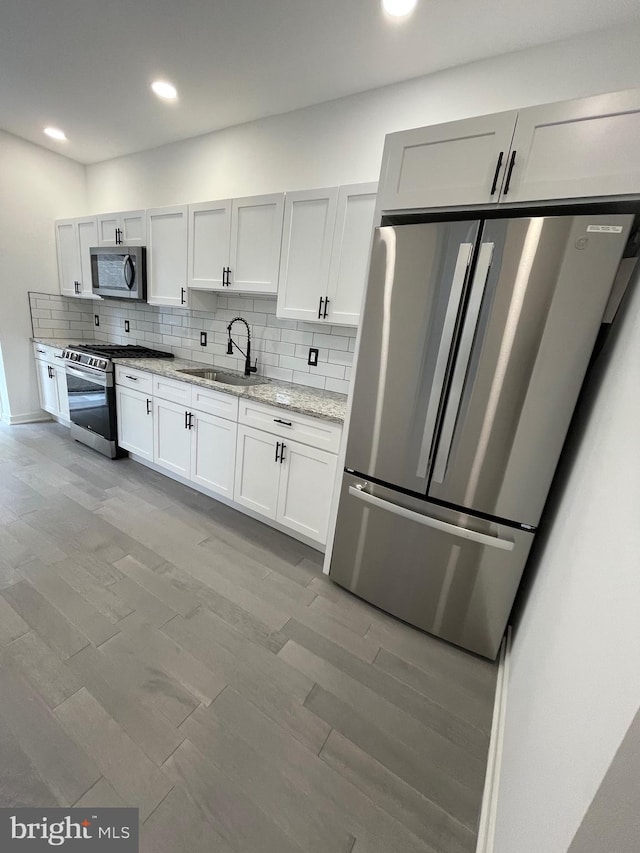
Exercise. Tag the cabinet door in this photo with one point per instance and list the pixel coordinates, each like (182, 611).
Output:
(309, 224)
(108, 224)
(213, 453)
(68, 256)
(47, 387)
(306, 488)
(134, 228)
(460, 162)
(256, 236)
(62, 398)
(167, 256)
(350, 253)
(582, 148)
(87, 238)
(171, 437)
(135, 422)
(209, 239)
(257, 471)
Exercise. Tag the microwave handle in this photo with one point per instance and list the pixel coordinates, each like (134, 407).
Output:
(129, 267)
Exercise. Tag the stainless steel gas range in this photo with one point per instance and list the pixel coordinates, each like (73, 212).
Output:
(91, 392)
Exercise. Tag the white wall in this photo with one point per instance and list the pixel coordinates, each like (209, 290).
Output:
(36, 187)
(575, 670)
(341, 141)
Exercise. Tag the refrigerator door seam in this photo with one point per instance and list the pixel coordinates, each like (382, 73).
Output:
(448, 331)
(357, 491)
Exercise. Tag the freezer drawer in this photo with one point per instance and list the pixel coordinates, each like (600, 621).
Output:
(450, 574)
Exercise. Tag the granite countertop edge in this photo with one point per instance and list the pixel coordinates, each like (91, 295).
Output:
(328, 405)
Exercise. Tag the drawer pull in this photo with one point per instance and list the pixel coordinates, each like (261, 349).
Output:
(43, 351)
(133, 378)
(280, 421)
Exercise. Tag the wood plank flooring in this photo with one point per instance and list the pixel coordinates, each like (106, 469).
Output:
(160, 650)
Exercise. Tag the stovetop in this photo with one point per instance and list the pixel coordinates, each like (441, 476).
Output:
(98, 356)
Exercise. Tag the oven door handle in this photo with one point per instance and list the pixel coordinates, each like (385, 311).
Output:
(99, 378)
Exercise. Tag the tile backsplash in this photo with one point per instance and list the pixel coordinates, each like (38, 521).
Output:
(281, 346)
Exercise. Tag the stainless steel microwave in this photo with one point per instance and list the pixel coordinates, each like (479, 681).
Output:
(119, 272)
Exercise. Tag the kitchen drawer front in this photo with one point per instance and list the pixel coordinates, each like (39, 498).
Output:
(315, 432)
(47, 353)
(214, 403)
(171, 389)
(136, 379)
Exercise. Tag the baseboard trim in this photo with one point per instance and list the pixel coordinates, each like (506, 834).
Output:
(487, 829)
(29, 418)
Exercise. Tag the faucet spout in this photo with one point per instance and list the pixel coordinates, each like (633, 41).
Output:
(248, 367)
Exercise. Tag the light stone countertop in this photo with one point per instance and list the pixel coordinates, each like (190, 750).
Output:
(285, 395)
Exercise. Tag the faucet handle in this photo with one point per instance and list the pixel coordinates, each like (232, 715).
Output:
(254, 368)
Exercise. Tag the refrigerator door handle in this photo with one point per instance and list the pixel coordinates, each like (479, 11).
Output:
(448, 329)
(357, 491)
(462, 363)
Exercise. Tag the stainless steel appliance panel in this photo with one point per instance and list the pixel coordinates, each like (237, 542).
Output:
(532, 319)
(417, 281)
(446, 572)
(119, 272)
(91, 396)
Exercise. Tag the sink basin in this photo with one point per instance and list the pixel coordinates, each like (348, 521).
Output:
(224, 378)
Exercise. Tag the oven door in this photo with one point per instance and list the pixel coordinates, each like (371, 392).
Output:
(92, 402)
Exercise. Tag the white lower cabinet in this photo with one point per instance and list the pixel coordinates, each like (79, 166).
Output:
(135, 422)
(172, 437)
(213, 452)
(52, 388)
(288, 482)
(262, 469)
(306, 485)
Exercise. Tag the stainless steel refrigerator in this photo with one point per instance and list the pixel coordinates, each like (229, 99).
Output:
(476, 336)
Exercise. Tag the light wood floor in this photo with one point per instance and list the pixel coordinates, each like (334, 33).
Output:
(160, 650)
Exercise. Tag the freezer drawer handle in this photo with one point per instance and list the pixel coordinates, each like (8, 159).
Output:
(439, 374)
(357, 491)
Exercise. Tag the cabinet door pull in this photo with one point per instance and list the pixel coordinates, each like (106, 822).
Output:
(190, 420)
(326, 305)
(186, 420)
(149, 409)
(509, 173)
(282, 453)
(182, 293)
(277, 450)
(320, 308)
(50, 371)
(228, 276)
(497, 172)
(280, 421)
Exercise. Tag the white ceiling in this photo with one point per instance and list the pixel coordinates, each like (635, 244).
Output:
(86, 65)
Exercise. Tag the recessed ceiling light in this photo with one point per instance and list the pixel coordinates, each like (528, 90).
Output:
(399, 8)
(55, 133)
(164, 90)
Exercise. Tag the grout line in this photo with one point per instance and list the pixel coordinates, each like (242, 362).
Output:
(159, 804)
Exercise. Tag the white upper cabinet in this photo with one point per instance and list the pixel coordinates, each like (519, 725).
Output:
(305, 260)
(167, 256)
(209, 239)
(325, 253)
(234, 245)
(350, 253)
(256, 234)
(74, 238)
(582, 148)
(457, 163)
(127, 229)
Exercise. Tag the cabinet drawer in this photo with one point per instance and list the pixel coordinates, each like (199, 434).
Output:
(172, 389)
(307, 430)
(214, 403)
(137, 379)
(47, 353)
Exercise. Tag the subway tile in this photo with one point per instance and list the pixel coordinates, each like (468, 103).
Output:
(298, 364)
(331, 341)
(324, 368)
(352, 344)
(278, 373)
(280, 347)
(308, 379)
(295, 337)
(339, 385)
(337, 356)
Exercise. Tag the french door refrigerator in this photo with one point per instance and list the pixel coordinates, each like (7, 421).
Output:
(476, 336)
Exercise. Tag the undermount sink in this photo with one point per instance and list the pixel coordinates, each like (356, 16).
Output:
(224, 378)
